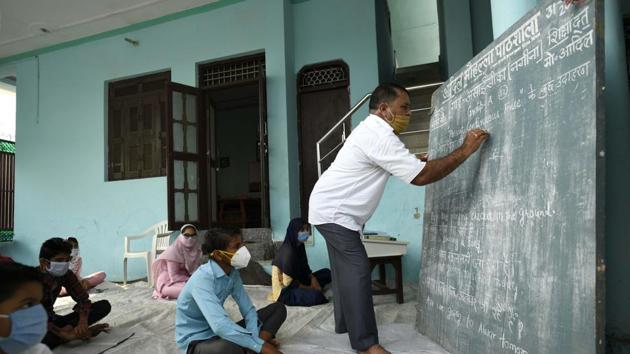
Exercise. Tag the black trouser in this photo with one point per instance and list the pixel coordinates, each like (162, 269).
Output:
(98, 310)
(272, 317)
(351, 284)
(293, 295)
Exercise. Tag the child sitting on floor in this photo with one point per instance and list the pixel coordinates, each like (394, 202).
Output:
(292, 281)
(23, 319)
(54, 263)
(76, 263)
(202, 326)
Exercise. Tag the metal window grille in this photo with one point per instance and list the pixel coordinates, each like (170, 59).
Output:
(229, 72)
(323, 76)
(7, 189)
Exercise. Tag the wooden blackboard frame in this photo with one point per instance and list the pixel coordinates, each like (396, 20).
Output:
(600, 184)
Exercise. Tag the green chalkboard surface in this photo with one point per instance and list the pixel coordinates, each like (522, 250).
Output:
(512, 244)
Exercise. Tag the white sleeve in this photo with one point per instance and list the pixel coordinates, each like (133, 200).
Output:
(392, 155)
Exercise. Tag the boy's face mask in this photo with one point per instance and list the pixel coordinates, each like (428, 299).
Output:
(28, 327)
(239, 259)
(58, 269)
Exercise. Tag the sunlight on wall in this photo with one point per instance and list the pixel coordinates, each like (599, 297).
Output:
(7, 112)
(415, 31)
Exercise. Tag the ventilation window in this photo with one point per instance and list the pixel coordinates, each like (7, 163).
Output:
(334, 75)
(232, 71)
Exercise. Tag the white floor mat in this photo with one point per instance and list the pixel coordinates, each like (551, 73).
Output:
(307, 329)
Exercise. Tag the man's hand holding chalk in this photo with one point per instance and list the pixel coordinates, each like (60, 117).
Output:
(474, 138)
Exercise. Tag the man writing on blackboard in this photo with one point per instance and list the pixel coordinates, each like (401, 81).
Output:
(347, 194)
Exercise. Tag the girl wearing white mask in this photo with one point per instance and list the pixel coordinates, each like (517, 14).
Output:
(172, 269)
(202, 326)
(23, 319)
(76, 264)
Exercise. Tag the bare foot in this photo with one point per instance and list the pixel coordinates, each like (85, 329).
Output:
(96, 329)
(375, 349)
(274, 342)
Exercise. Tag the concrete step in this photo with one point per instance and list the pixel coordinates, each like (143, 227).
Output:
(419, 75)
(259, 243)
(256, 235)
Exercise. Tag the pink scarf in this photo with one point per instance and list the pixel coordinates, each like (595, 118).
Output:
(183, 251)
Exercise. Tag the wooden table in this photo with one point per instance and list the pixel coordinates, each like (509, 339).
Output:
(381, 253)
(381, 283)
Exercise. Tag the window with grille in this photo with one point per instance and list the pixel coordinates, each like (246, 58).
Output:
(137, 127)
(231, 71)
(331, 75)
(7, 189)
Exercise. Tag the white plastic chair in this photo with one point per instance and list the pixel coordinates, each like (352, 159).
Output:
(160, 243)
(153, 230)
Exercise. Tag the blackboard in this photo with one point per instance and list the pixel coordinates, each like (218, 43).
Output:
(512, 240)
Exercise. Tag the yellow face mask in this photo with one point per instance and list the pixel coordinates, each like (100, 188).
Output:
(229, 255)
(399, 122)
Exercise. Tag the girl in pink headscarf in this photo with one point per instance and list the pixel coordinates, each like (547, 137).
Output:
(176, 264)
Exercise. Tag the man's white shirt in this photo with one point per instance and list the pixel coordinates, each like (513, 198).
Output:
(348, 192)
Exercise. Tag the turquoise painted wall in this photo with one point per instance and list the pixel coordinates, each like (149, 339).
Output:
(456, 42)
(60, 170)
(481, 23)
(291, 129)
(347, 33)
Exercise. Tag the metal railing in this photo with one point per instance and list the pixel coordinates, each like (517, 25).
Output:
(348, 115)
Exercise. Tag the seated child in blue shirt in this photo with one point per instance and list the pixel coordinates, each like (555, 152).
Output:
(202, 326)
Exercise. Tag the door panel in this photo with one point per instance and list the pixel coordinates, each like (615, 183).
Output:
(211, 161)
(187, 170)
(263, 150)
(319, 111)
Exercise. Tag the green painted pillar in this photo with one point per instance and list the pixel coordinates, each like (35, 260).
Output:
(481, 23)
(456, 45)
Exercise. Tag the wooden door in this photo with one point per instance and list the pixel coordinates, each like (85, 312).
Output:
(323, 99)
(263, 150)
(187, 167)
